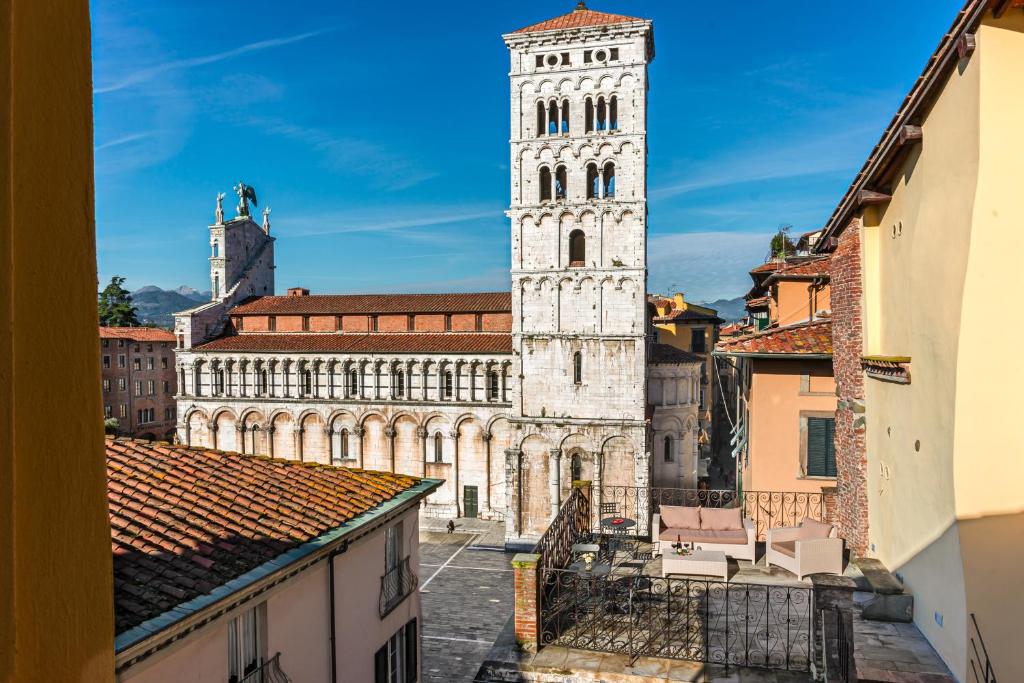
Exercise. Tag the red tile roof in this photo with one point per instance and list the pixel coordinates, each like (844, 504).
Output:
(769, 267)
(580, 17)
(365, 304)
(139, 334)
(184, 521)
(814, 338)
(733, 329)
(758, 302)
(372, 342)
(687, 315)
(813, 268)
(667, 354)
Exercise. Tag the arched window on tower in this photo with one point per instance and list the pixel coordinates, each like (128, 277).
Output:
(613, 113)
(448, 384)
(493, 387)
(553, 118)
(565, 116)
(216, 286)
(561, 182)
(602, 113)
(609, 179)
(593, 182)
(588, 116)
(353, 382)
(577, 248)
(438, 447)
(576, 469)
(577, 368)
(216, 249)
(545, 184)
(399, 384)
(668, 449)
(263, 381)
(307, 382)
(540, 119)
(343, 444)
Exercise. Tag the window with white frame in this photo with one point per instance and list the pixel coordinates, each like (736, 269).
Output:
(395, 661)
(245, 643)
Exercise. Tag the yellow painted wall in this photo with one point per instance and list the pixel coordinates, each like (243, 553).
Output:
(56, 610)
(945, 458)
(795, 300)
(775, 406)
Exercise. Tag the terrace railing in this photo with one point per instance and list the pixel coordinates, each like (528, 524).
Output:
(768, 509)
(981, 665)
(571, 524)
(396, 584)
(268, 672)
(730, 624)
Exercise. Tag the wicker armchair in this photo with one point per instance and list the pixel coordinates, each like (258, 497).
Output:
(792, 549)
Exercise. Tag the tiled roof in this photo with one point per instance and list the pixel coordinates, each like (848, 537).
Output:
(769, 267)
(184, 521)
(733, 329)
(139, 334)
(687, 315)
(814, 338)
(666, 353)
(813, 268)
(340, 304)
(372, 342)
(758, 302)
(580, 17)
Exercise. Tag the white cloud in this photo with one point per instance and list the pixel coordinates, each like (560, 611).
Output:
(705, 265)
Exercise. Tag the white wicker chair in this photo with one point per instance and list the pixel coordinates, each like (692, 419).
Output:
(812, 556)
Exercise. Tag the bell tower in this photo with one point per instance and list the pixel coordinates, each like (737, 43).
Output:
(579, 216)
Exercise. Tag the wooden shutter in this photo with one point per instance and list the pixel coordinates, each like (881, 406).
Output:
(821, 457)
(412, 671)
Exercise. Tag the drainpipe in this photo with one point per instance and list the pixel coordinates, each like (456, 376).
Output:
(340, 550)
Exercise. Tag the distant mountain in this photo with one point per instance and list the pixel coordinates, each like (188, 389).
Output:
(729, 309)
(157, 306)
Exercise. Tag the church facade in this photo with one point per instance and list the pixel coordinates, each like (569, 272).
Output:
(507, 396)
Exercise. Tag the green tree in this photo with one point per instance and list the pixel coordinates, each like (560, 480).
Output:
(116, 308)
(782, 245)
(111, 426)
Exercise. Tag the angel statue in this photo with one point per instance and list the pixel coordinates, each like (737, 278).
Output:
(266, 218)
(245, 195)
(219, 214)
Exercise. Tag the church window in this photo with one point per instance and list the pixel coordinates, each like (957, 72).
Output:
(216, 286)
(337, 323)
(263, 381)
(576, 468)
(593, 182)
(588, 56)
(609, 180)
(373, 323)
(399, 384)
(553, 118)
(588, 116)
(271, 323)
(478, 322)
(438, 447)
(216, 249)
(343, 443)
(410, 323)
(541, 119)
(545, 184)
(565, 116)
(613, 113)
(577, 248)
(577, 368)
(613, 54)
(601, 56)
(561, 182)
(565, 58)
(353, 383)
(668, 449)
(493, 388)
(239, 324)
(448, 322)
(305, 323)
(552, 60)
(540, 60)
(307, 382)
(448, 384)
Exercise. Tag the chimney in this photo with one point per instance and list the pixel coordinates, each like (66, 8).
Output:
(298, 291)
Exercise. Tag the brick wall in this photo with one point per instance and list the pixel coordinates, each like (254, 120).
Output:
(847, 343)
(524, 567)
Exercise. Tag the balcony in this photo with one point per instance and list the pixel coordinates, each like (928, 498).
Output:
(397, 584)
(268, 672)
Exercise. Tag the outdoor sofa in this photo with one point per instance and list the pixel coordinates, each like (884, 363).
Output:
(811, 548)
(723, 529)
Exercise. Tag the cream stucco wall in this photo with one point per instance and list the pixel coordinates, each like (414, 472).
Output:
(938, 262)
(298, 621)
(776, 403)
(795, 300)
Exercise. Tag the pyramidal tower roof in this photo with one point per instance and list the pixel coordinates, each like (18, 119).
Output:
(578, 18)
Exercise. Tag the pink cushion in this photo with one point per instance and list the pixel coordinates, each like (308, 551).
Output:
(811, 529)
(785, 547)
(679, 517)
(721, 519)
(703, 536)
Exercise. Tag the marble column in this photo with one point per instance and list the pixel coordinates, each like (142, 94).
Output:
(554, 480)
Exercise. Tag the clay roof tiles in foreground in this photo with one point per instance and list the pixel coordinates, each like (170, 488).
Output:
(370, 342)
(581, 17)
(813, 339)
(365, 304)
(184, 521)
(139, 334)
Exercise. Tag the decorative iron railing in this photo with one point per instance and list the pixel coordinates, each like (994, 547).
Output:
(398, 583)
(731, 624)
(768, 509)
(981, 665)
(269, 672)
(570, 525)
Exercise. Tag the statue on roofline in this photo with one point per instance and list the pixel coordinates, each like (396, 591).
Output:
(245, 195)
(219, 213)
(266, 219)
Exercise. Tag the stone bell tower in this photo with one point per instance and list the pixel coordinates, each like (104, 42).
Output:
(579, 233)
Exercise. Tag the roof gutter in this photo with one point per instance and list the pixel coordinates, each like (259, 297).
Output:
(153, 635)
(774, 356)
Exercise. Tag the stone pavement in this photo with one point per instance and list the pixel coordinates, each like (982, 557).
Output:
(489, 534)
(467, 598)
(894, 652)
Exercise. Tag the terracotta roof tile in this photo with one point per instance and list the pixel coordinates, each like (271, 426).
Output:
(365, 304)
(184, 521)
(687, 315)
(758, 302)
(806, 338)
(372, 342)
(666, 353)
(813, 268)
(139, 334)
(580, 17)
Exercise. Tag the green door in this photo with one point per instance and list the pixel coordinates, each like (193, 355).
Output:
(469, 501)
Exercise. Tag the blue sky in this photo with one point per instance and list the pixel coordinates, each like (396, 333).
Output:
(378, 132)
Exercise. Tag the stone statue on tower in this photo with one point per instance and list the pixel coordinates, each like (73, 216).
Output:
(245, 195)
(266, 219)
(219, 213)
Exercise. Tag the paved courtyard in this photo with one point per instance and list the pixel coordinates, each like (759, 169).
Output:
(467, 597)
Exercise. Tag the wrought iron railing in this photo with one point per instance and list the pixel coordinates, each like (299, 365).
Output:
(570, 525)
(398, 583)
(269, 672)
(981, 665)
(767, 509)
(731, 624)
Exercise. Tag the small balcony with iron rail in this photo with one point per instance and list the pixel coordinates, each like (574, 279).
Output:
(268, 672)
(395, 586)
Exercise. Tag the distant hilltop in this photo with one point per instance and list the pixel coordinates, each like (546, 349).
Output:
(157, 306)
(730, 310)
